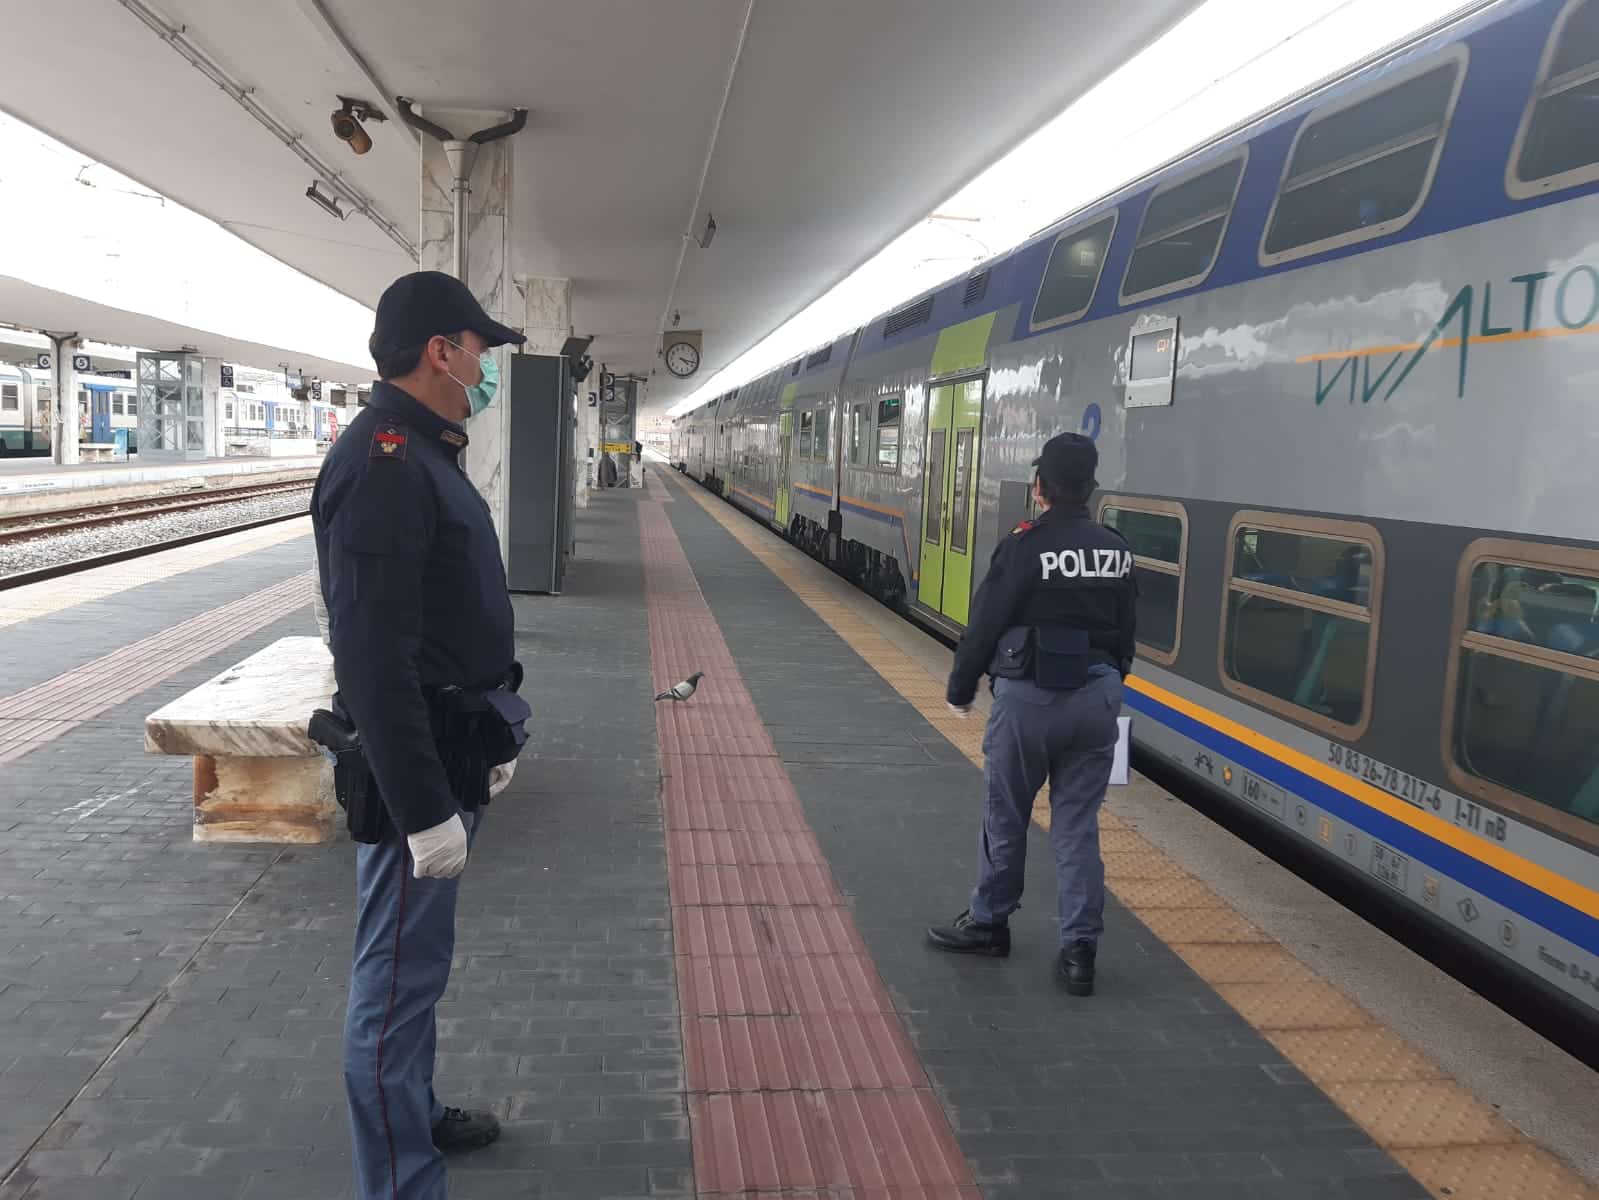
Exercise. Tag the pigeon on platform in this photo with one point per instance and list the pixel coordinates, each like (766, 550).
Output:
(684, 690)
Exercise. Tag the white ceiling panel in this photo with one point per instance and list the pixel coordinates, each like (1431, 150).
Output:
(846, 122)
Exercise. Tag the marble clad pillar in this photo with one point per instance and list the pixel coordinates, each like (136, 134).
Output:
(488, 272)
(64, 401)
(216, 442)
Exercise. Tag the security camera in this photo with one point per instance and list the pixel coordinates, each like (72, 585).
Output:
(347, 121)
(347, 129)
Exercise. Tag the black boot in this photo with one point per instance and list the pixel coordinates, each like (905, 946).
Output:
(463, 1130)
(1076, 968)
(967, 936)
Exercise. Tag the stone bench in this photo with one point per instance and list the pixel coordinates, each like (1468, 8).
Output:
(97, 451)
(257, 777)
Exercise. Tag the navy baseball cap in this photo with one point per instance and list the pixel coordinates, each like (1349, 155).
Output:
(1068, 458)
(424, 303)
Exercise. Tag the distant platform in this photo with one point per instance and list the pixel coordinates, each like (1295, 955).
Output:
(28, 476)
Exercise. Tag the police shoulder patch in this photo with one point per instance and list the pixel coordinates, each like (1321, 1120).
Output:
(388, 442)
(1024, 526)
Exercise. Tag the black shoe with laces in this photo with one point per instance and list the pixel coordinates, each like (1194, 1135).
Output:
(459, 1129)
(1075, 968)
(967, 936)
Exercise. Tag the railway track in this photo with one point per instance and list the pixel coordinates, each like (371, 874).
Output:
(44, 549)
(86, 516)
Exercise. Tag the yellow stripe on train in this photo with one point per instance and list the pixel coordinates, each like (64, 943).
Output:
(1583, 899)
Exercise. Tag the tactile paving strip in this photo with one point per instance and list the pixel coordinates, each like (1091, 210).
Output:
(40, 714)
(1452, 1144)
(801, 1079)
(53, 595)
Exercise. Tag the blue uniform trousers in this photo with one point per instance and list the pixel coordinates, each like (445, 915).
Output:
(404, 940)
(1069, 739)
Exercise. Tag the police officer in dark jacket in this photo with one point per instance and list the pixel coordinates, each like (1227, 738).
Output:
(419, 615)
(1052, 625)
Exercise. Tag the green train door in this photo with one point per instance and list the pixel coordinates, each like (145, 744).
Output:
(949, 503)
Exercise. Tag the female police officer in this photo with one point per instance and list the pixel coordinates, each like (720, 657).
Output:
(1052, 625)
(418, 609)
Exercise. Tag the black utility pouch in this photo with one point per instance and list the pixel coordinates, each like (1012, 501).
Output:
(1061, 657)
(501, 726)
(1013, 654)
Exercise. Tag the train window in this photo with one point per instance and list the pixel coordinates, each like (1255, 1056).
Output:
(8, 397)
(1301, 616)
(824, 434)
(807, 431)
(857, 435)
(1522, 729)
(229, 412)
(1182, 231)
(1157, 530)
(961, 490)
(888, 412)
(1361, 170)
(133, 405)
(1073, 273)
(933, 529)
(116, 403)
(1554, 145)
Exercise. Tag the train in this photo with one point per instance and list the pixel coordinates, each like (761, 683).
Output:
(257, 407)
(1337, 363)
(106, 403)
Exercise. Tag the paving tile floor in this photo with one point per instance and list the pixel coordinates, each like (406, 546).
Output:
(170, 1014)
(218, 974)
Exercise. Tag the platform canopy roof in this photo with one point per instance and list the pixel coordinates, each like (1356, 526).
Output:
(814, 131)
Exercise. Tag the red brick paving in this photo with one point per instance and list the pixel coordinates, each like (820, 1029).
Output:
(800, 1076)
(46, 711)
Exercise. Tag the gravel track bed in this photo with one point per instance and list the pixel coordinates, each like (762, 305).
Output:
(49, 549)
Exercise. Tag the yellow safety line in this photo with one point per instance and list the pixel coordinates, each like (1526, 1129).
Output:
(54, 595)
(1450, 1142)
(1480, 339)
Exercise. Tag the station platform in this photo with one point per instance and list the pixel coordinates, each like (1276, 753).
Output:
(21, 477)
(689, 956)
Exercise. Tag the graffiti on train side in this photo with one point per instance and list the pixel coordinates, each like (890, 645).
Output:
(1534, 305)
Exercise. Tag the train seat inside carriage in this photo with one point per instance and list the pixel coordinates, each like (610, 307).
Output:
(1526, 723)
(1311, 658)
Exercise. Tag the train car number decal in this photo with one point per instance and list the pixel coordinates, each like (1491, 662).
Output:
(1418, 793)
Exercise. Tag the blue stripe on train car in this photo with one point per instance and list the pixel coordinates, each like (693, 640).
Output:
(1554, 915)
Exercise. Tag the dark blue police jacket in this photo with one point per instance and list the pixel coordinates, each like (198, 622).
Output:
(415, 591)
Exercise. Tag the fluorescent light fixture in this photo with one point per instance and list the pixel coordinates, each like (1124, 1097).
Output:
(327, 204)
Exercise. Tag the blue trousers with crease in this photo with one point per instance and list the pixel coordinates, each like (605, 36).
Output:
(404, 940)
(1069, 739)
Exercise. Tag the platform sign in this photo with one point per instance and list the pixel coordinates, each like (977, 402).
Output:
(80, 362)
(44, 362)
(227, 375)
(616, 447)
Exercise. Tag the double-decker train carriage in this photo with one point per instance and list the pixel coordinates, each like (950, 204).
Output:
(1340, 364)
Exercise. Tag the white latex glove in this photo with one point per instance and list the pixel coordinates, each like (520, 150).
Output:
(440, 852)
(960, 710)
(500, 776)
